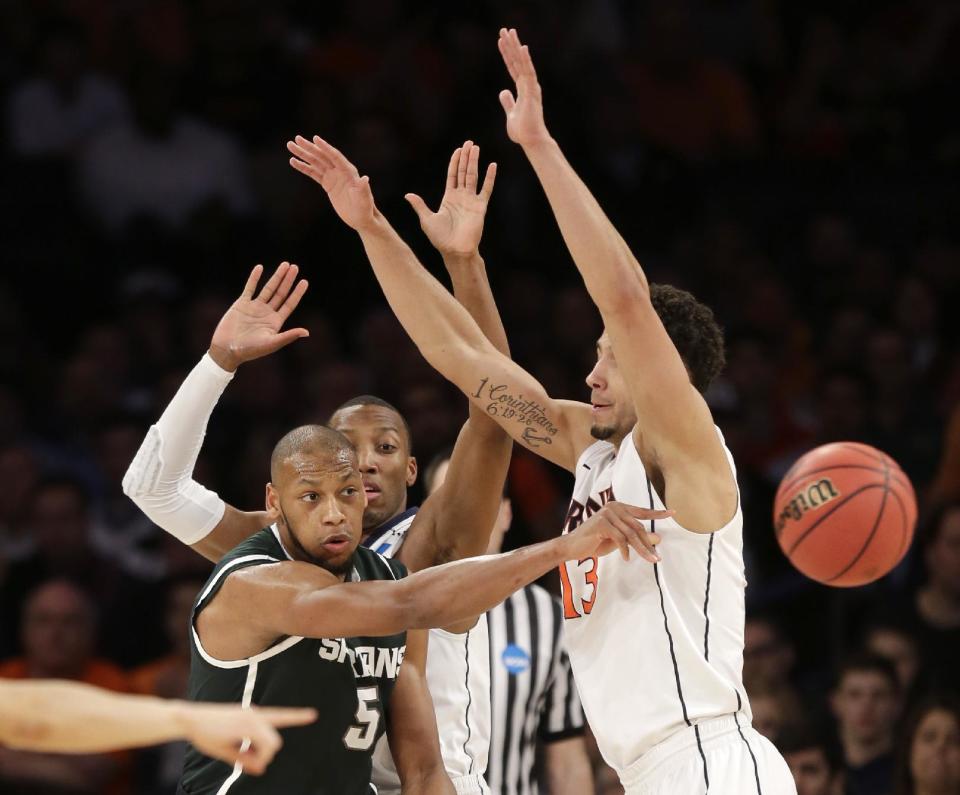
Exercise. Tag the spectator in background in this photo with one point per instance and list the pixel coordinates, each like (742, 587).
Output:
(896, 643)
(934, 611)
(166, 677)
(775, 709)
(60, 527)
(946, 484)
(842, 406)
(161, 164)
(59, 109)
(768, 654)
(904, 419)
(59, 638)
(813, 758)
(19, 474)
(866, 704)
(119, 530)
(703, 107)
(930, 750)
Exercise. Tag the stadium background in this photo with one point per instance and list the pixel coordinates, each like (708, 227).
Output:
(792, 164)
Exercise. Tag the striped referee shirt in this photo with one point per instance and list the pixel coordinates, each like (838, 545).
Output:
(534, 698)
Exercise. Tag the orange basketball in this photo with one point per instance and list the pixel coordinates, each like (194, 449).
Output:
(844, 514)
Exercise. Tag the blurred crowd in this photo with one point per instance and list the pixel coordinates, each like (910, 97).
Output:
(791, 164)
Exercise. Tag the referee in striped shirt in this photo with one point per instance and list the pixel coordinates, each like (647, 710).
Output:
(537, 725)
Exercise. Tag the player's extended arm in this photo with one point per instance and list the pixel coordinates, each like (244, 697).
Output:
(441, 328)
(412, 725)
(74, 718)
(160, 477)
(455, 522)
(677, 428)
(295, 598)
(568, 767)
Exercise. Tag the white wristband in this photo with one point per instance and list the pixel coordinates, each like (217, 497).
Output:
(160, 477)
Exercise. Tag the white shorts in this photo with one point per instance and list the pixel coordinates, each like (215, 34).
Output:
(736, 760)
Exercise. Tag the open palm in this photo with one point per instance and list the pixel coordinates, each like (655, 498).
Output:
(348, 192)
(456, 227)
(251, 326)
(525, 123)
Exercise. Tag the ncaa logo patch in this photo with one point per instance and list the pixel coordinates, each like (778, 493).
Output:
(515, 659)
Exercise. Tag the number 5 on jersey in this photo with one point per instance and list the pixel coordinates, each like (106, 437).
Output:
(579, 602)
(361, 736)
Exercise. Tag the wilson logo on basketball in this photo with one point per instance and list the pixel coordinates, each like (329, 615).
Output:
(810, 497)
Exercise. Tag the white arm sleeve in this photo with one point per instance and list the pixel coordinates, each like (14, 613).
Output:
(160, 477)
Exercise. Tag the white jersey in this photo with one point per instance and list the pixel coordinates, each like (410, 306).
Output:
(458, 675)
(655, 649)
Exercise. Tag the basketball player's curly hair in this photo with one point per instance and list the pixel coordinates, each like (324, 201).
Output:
(694, 331)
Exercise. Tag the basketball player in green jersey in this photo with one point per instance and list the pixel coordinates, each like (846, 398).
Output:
(299, 614)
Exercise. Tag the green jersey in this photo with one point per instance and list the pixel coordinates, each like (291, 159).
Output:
(348, 680)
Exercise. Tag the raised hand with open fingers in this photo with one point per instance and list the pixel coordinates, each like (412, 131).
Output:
(525, 124)
(456, 227)
(251, 327)
(349, 193)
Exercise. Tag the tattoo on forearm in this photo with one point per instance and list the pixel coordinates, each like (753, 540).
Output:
(501, 402)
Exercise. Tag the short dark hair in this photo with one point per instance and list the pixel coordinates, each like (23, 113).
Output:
(694, 331)
(807, 736)
(864, 662)
(373, 400)
(315, 438)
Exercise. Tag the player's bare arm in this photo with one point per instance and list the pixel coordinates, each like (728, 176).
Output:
(441, 328)
(159, 480)
(676, 437)
(455, 523)
(412, 725)
(260, 604)
(74, 718)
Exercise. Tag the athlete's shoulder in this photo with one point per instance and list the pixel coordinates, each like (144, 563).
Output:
(371, 565)
(594, 457)
(263, 542)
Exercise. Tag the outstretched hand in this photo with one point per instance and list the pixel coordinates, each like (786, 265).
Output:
(247, 736)
(456, 227)
(251, 327)
(349, 193)
(616, 526)
(525, 125)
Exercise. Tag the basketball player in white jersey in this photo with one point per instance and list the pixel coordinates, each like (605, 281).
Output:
(656, 641)
(452, 524)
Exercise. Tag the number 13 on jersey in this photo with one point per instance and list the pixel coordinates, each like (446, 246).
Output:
(579, 601)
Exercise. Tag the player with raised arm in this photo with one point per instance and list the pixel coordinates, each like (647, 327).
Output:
(452, 524)
(55, 716)
(648, 438)
(300, 614)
